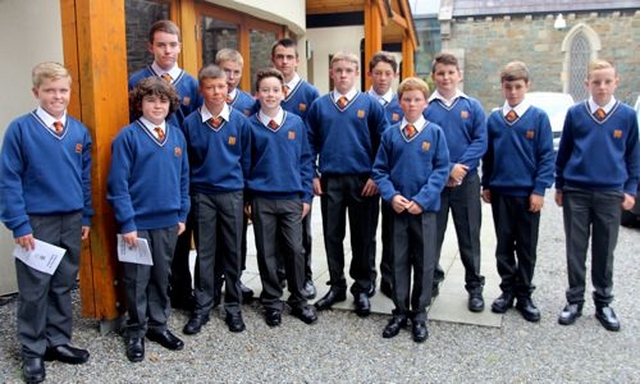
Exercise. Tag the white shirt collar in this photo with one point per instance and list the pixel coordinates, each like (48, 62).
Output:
(387, 97)
(448, 103)
(607, 108)
(519, 109)
(173, 72)
(278, 118)
(350, 95)
(232, 93)
(150, 126)
(48, 120)
(205, 114)
(418, 124)
(294, 82)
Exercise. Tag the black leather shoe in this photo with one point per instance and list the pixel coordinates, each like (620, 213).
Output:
(166, 339)
(419, 331)
(33, 369)
(309, 290)
(135, 349)
(386, 289)
(608, 318)
(272, 317)
(247, 293)
(363, 306)
(394, 326)
(502, 303)
(194, 325)
(570, 313)
(333, 296)
(305, 313)
(234, 322)
(66, 354)
(476, 302)
(527, 309)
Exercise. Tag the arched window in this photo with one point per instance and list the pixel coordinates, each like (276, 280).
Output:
(581, 45)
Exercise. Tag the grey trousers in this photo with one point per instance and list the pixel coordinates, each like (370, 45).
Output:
(146, 287)
(281, 220)
(597, 213)
(44, 307)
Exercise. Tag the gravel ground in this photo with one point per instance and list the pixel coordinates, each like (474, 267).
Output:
(341, 347)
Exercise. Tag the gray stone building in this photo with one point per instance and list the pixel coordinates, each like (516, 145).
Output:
(555, 38)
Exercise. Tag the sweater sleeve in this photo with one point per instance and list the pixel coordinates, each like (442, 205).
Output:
(478, 135)
(118, 183)
(632, 159)
(564, 149)
(87, 211)
(13, 209)
(429, 195)
(487, 159)
(185, 199)
(306, 167)
(544, 156)
(382, 169)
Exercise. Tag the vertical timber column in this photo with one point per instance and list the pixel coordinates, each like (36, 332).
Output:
(372, 34)
(408, 65)
(95, 52)
(190, 37)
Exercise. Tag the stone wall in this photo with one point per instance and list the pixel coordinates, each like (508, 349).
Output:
(488, 43)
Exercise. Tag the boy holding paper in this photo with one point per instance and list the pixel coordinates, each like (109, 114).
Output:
(148, 187)
(45, 194)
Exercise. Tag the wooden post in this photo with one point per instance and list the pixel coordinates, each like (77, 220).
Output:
(408, 66)
(372, 33)
(95, 52)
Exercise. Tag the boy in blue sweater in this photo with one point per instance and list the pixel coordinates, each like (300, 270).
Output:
(597, 170)
(298, 96)
(516, 170)
(383, 70)
(411, 169)
(148, 187)
(231, 62)
(165, 45)
(464, 124)
(280, 193)
(344, 133)
(219, 142)
(45, 194)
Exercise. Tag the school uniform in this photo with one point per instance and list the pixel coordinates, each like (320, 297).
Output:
(518, 163)
(392, 110)
(148, 187)
(190, 99)
(45, 190)
(279, 182)
(597, 163)
(415, 166)
(463, 122)
(345, 140)
(299, 97)
(220, 155)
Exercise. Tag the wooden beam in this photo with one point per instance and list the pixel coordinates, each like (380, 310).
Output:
(244, 45)
(315, 7)
(95, 50)
(408, 65)
(372, 33)
(190, 37)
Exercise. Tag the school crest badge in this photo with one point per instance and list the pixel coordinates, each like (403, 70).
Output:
(617, 134)
(395, 117)
(530, 134)
(302, 107)
(232, 140)
(464, 114)
(79, 148)
(292, 135)
(177, 151)
(360, 113)
(186, 100)
(426, 146)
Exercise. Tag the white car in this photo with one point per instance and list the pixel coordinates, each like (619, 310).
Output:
(555, 104)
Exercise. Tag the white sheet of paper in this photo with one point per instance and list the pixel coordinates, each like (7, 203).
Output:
(137, 255)
(44, 257)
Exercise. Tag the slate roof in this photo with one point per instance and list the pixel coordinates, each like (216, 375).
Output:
(467, 8)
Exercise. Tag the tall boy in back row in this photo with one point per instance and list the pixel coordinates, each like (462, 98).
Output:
(463, 121)
(298, 96)
(597, 170)
(344, 133)
(516, 171)
(165, 45)
(45, 194)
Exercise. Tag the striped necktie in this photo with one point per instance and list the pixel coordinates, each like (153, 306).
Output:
(159, 133)
(167, 77)
(600, 113)
(57, 125)
(215, 121)
(410, 130)
(342, 102)
(273, 125)
(511, 116)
